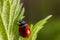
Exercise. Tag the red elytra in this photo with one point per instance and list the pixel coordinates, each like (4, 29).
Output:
(24, 29)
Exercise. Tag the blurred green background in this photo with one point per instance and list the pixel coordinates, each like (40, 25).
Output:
(36, 10)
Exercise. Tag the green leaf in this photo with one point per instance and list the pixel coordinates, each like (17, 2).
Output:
(37, 27)
(11, 11)
(3, 34)
(4, 18)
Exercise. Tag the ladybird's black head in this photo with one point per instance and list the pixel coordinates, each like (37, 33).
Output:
(21, 23)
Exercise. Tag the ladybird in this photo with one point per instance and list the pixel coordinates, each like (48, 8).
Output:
(24, 29)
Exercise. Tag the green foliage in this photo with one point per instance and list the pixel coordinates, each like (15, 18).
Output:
(11, 12)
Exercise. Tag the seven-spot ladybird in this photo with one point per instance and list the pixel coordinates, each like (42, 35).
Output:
(24, 29)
